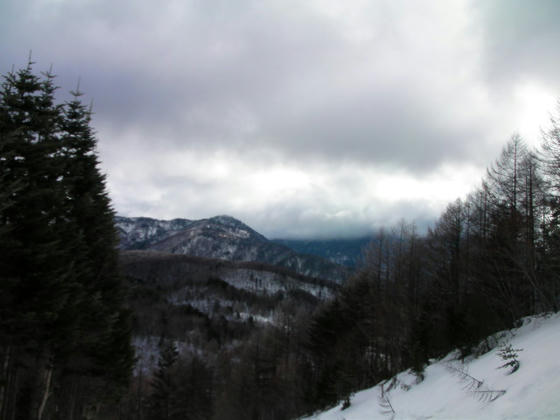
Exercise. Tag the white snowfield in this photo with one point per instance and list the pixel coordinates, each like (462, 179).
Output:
(532, 392)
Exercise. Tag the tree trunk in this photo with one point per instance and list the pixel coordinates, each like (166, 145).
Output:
(4, 380)
(46, 392)
(40, 384)
(10, 391)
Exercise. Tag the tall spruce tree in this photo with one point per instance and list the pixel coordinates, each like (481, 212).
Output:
(549, 246)
(36, 265)
(95, 239)
(61, 299)
(162, 400)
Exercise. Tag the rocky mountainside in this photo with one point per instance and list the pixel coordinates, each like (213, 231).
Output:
(221, 237)
(142, 232)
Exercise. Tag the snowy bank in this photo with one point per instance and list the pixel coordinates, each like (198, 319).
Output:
(473, 389)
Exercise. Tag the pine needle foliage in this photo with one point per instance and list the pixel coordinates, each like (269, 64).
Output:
(64, 329)
(510, 356)
(473, 385)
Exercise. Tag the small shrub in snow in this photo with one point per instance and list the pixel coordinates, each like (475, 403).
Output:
(510, 356)
(490, 343)
(419, 378)
(346, 404)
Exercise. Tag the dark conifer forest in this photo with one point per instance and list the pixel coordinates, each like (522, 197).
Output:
(64, 328)
(69, 309)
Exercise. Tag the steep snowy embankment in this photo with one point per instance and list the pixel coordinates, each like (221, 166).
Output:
(449, 390)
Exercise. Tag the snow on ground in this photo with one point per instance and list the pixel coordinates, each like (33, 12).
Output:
(532, 392)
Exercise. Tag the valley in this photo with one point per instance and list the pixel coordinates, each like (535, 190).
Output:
(206, 304)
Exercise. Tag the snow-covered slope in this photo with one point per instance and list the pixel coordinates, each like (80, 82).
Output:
(141, 232)
(449, 391)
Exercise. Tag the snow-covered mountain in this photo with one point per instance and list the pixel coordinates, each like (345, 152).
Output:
(221, 237)
(141, 232)
(476, 388)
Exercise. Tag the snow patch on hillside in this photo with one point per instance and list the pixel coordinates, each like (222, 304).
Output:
(530, 393)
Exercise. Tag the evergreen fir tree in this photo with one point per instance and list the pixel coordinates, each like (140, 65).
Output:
(61, 309)
(510, 356)
(105, 323)
(161, 400)
(37, 270)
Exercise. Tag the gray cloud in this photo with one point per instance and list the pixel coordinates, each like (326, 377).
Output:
(521, 40)
(196, 102)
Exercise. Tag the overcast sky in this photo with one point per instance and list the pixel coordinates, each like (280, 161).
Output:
(301, 118)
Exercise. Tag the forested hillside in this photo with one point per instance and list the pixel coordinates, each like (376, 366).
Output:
(230, 323)
(489, 260)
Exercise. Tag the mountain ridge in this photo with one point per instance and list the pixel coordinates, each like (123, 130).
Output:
(342, 251)
(221, 237)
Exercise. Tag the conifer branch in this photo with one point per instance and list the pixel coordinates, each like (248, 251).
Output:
(475, 386)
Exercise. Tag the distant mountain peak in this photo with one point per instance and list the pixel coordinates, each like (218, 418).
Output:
(220, 237)
(226, 219)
